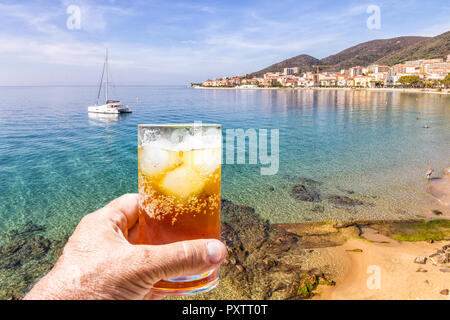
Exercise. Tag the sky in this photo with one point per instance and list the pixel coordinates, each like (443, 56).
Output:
(178, 42)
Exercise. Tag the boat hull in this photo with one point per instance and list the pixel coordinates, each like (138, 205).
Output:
(109, 109)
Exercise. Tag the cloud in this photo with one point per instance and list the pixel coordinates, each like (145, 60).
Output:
(184, 40)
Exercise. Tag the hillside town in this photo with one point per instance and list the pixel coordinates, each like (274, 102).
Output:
(431, 73)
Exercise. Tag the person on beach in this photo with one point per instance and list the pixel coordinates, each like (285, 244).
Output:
(102, 261)
(429, 173)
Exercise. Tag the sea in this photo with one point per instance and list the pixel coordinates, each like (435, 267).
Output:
(363, 153)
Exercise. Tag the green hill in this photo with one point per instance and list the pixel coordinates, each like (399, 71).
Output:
(381, 51)
(436, 47)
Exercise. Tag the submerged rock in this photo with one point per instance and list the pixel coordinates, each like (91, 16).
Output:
(318, 208)
(344, 200)
(301, 192)
(25, 256)
(309, 181)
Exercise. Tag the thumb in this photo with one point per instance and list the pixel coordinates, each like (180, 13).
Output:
(182, 258)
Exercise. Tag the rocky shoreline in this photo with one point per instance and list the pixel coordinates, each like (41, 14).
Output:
(265, 261)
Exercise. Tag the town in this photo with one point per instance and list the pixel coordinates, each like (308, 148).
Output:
(424, 73)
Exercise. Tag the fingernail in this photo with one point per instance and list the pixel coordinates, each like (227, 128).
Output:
(214, 249)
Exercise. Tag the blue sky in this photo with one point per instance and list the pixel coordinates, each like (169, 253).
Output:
(176, 42)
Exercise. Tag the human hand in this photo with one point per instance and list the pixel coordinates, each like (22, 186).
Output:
(101, 261)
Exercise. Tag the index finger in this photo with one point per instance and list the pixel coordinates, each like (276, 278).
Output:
(127, 208)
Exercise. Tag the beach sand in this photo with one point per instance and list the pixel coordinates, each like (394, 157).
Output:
(379, 267)
(394, 263)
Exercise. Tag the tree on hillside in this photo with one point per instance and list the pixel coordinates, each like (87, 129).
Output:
(446, 81)
(410, 81)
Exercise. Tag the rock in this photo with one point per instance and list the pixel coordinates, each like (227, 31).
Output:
(430, 241)
(440, 251)
(444, 292)
(437, 212)
(443, 258)
(447, 270)
(264, 261)
(269, 263)
(308, 181)
(420, 260)
(447, 246)
(433, 260)
(421, 270)
(318, 208)
(26, 255)
(301, 192)
(346, 191)
(271, 188)
(279, 286)
(344, 201)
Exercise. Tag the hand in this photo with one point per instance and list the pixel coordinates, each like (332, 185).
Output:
(100, 260)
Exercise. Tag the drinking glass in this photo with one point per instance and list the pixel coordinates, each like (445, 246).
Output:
(179, 192)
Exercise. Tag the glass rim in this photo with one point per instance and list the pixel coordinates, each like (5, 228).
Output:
(179, 125)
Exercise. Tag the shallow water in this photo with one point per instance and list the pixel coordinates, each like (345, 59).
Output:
(58, 163)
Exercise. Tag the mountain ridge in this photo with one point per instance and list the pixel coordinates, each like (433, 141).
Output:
(381, 51)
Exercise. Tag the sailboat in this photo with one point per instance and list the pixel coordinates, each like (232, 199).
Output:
(110, 106)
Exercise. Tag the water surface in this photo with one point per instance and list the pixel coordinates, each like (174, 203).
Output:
(57, 162)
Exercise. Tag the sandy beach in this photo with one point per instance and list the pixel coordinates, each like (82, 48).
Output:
(379, 267)
(386, 271)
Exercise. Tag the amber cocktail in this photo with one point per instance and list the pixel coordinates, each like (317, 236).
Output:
(179, 193)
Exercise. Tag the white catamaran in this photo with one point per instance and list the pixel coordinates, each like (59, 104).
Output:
(110, 106)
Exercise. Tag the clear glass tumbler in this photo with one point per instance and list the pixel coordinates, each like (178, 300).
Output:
(179, 192)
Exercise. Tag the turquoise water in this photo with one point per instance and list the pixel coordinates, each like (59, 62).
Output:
(58, 163)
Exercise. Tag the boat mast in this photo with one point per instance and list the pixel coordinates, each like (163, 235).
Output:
(106, 65)
(101, 84)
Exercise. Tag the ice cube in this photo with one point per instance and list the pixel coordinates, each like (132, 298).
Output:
(183, 182)
(205, 161)
(156, 161)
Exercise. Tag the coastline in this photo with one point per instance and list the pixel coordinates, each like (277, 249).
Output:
(403, 90)
(308, 260)
(335, 260)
